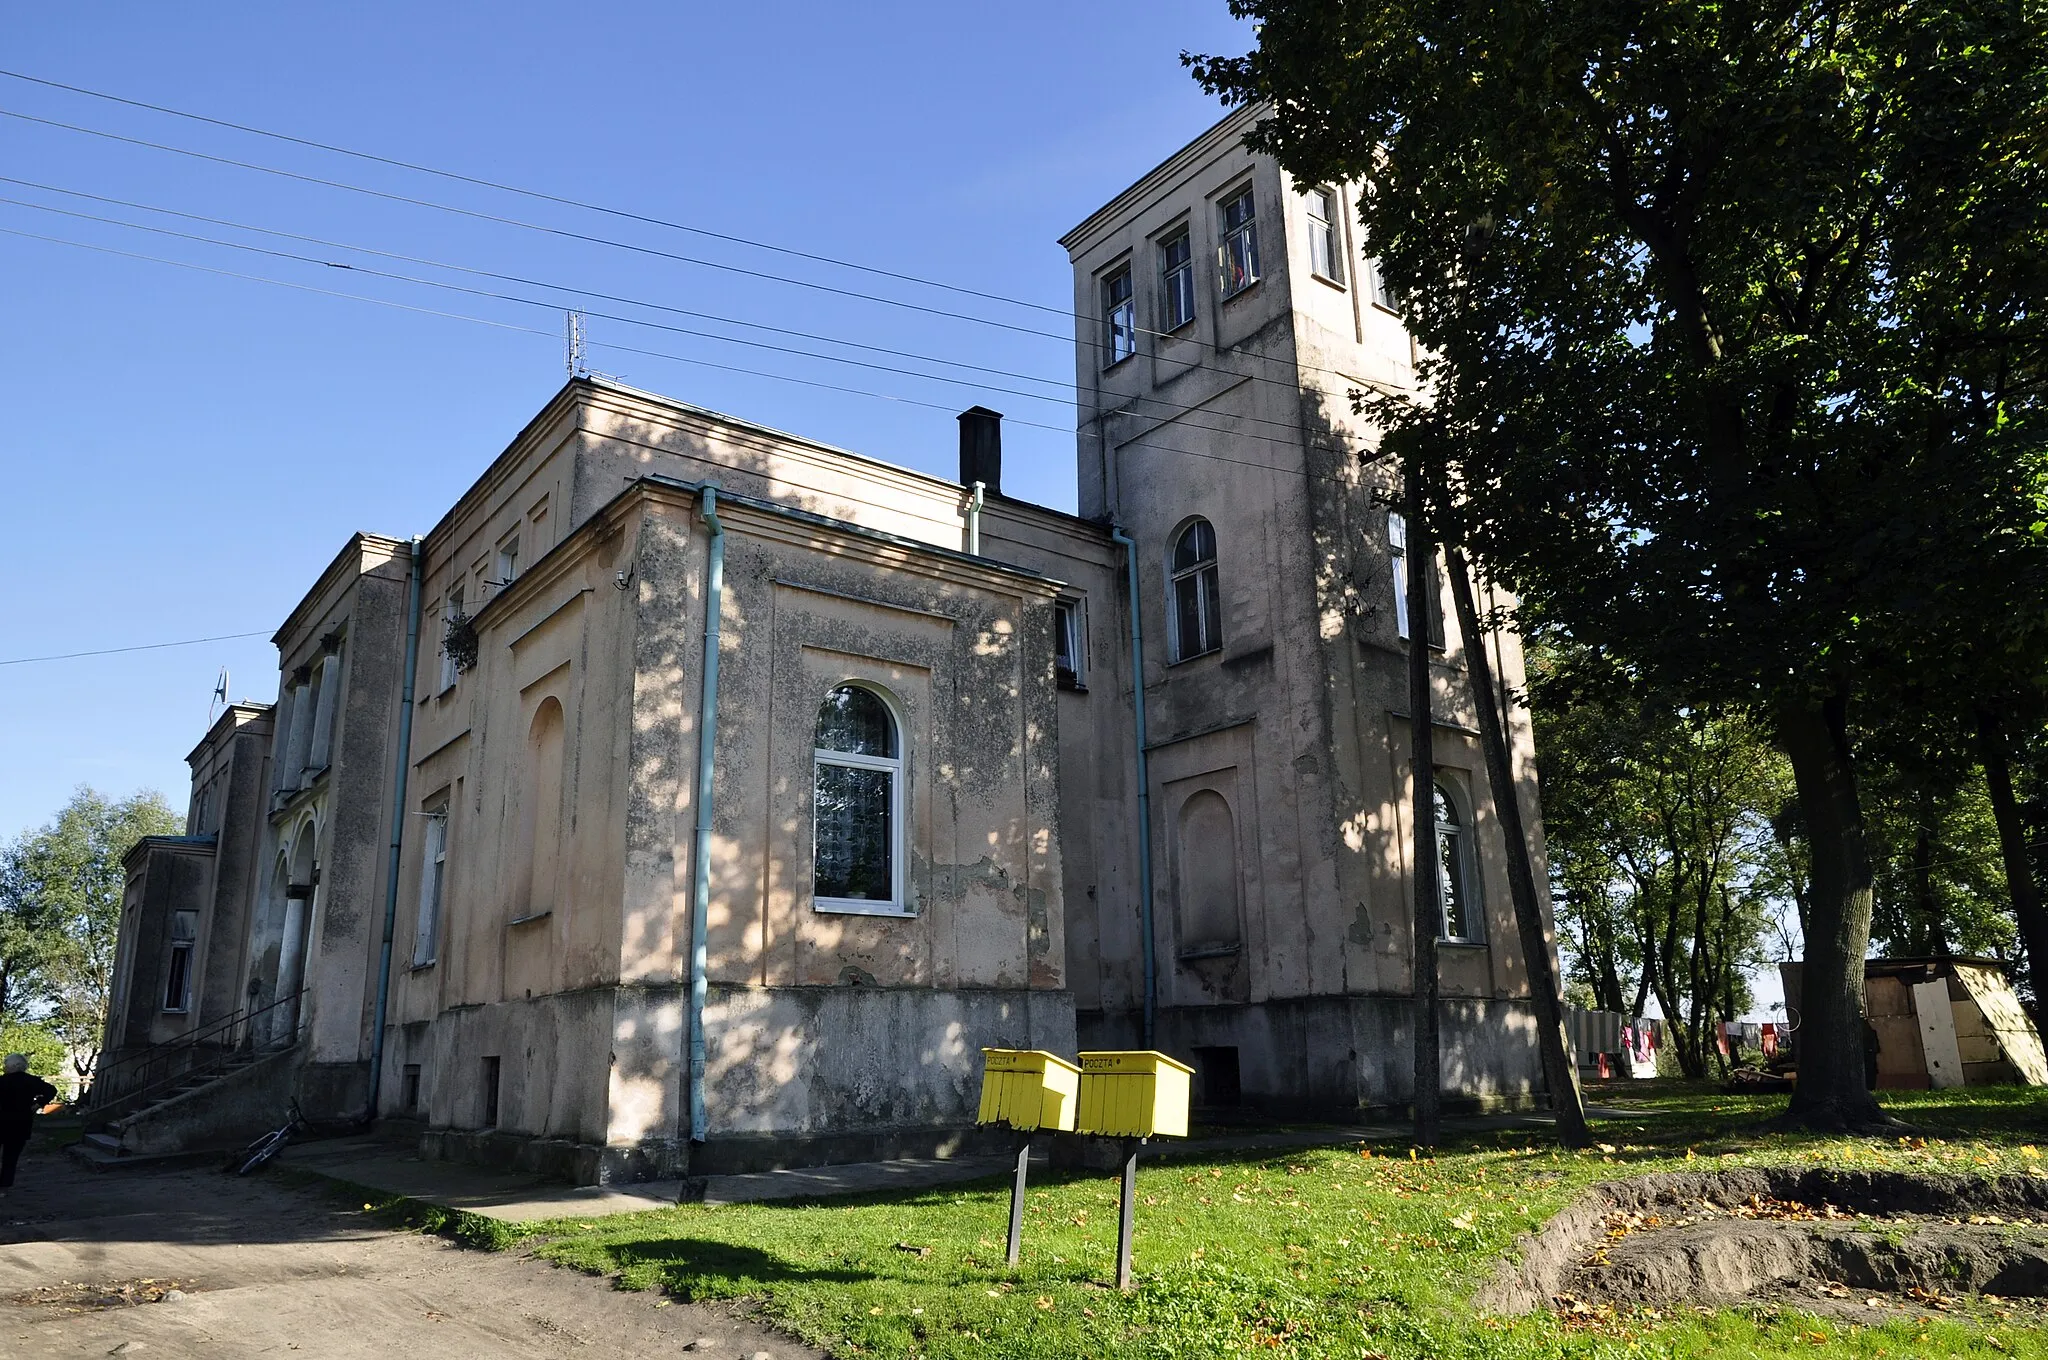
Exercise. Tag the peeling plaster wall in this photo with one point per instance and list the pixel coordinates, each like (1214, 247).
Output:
(611, 627)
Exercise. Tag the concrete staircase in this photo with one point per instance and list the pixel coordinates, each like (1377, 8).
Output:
(220, 1106)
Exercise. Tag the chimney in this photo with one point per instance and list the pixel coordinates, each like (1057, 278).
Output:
(981, 448)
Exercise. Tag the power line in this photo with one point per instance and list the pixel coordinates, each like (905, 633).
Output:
(140, 647)
(651, 353)
(544, 303)
(1083, 322)
(534, 226)
(520, 279)
(1065, 398)
(539, 195)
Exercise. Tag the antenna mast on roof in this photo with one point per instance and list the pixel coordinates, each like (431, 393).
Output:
(572, 336)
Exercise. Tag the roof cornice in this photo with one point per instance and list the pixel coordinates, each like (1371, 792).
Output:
(346, 563)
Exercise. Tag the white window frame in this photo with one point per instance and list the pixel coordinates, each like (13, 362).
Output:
(1466, 870)
(1381, 294)
(1176, 281)
(506, 563)
(1241, 239)
(1397, 550)
(1119, 317)
(1070, 621)
(426, 940)
(1400, 560)
(898, 769)
(451, 610)
(1198, 573)
(1326, 234)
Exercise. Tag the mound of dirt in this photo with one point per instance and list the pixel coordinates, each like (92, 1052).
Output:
(1846, 1243)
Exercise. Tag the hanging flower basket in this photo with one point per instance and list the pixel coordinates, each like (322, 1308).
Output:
(460, 642)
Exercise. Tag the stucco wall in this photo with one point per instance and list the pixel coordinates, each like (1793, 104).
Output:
(610, 628)
(1298, 722)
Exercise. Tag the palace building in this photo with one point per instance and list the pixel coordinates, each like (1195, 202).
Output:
(696, 797)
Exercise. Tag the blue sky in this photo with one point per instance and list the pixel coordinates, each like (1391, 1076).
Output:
(186, 450)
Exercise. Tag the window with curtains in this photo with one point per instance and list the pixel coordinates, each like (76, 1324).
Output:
(1196, 613)
(858, 808)
(1238, 257)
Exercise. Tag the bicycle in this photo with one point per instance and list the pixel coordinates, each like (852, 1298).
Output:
(269, 1145)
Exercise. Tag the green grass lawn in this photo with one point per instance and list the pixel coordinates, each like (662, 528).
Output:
(1353, 1251)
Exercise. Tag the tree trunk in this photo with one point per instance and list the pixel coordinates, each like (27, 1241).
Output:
(1932, 940)
(2012, 847)
(1422, 764)
(1830, 1094)
(1607, 978)
(1560, 1073)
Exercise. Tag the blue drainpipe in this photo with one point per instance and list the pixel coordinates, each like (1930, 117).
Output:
(700, 850)
(412, 657)
(1144, 782)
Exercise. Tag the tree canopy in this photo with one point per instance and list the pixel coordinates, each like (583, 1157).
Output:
(60, 913)
(1734, 351)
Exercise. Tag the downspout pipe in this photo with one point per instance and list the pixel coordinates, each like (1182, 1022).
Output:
(398, 781)
(700, 849)
(974, 503)
(1130, 548)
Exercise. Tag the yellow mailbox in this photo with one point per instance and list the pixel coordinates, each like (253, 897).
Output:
(1028, 1089)
(1134, 1095)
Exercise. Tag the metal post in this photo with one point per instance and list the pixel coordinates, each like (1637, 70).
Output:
(1123, 1213)
(1017, 1200)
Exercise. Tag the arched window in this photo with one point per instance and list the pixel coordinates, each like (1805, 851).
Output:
(1456, 881)
(1197, 602)
(856, 858)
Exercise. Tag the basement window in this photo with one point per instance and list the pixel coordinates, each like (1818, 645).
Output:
(409, 1098)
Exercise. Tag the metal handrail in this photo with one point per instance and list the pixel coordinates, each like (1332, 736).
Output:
(203, 1034)
(206, 1036)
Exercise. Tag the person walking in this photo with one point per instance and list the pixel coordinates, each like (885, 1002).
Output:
(22, 1093)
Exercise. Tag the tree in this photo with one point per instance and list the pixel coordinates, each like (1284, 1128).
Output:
(1664, 857)
(63, 883)
(1733, 347)
(1546, 995)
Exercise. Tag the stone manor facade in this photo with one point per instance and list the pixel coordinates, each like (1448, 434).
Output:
(696, 797)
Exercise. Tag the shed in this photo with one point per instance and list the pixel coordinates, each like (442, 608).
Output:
(1943, 1022)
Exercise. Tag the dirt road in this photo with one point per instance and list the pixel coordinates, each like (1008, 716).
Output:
(255, 1267)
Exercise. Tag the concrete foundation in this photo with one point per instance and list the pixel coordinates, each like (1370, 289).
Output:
(1339, 1057)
